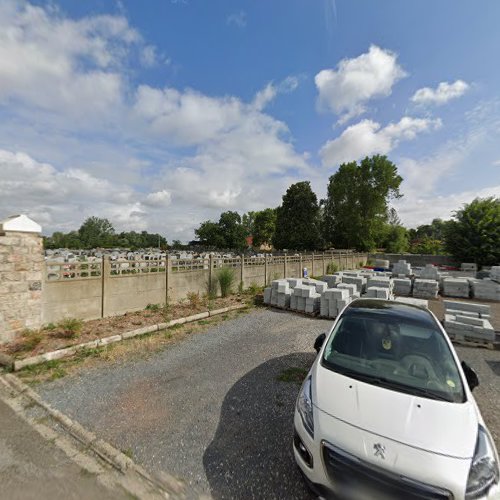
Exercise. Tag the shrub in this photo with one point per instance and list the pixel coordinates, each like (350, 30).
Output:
(27, 342)
(194, 299)
(211, 287)
(225, 277)
(153, 307)
(69, 327)
(331, 268)
(254, 289)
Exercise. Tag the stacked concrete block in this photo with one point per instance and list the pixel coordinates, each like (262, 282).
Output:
(332, 280)
(401, 268)
(486, 289)
(414, 302)
(430, 272)
(467, 309)
(358, 281)
(319, 285)
(293, 282)
(382, 263)
(425, 289)
(380, 282)
(468, 267)
(376, 292)
(468, 328)
(267, 295)
(456, 287)
(402, 287)
(349, 287)
(313, 303)
(495, 273)
(333, 301)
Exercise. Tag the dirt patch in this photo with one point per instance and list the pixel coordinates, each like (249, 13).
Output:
(71, 331)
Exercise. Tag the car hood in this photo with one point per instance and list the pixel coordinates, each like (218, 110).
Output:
(435, 426)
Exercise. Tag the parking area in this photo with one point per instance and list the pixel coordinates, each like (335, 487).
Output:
(216, 409)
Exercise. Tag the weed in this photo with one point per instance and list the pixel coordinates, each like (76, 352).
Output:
(165, 311)
(194, 299)
(27, 342)
(68, 328)
(225, 277)
(254, 289)
(331, 268)
(204, 322)
(50, 327)
(167, 334)
(211, 287)
(176, 327)
(58, 372)
(153, 307)
(293, 374)
(129, 453)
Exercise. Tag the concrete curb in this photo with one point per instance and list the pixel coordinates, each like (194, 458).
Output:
(69, 351)
(168, 486)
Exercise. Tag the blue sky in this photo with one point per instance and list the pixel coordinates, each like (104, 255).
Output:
(161, 114)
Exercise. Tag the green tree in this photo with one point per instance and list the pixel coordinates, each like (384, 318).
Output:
(474, 234)
(356, 208)
(232, 230)
(264, 227)
(427, 246)
(395, 239)
(297, 219)
(96, 232)
(209, 234)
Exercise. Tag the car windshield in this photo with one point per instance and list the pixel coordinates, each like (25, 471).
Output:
(403, 354)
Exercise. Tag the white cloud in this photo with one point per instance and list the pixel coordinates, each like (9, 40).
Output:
(161, 198)
(496, 163)
(238, 19)
(367, 138)
(354, 82)
(442, 94)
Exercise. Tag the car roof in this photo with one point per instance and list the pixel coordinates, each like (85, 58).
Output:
(390, 308)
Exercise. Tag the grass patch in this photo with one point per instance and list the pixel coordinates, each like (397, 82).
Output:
(129, 453)
(293, 374)
(225, 276)
(331, 268)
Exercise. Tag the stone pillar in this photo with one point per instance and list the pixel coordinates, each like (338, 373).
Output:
(21, 276)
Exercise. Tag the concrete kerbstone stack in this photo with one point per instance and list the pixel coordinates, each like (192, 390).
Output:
(376, 292)
(430, 272)
(358, 281)
(414, 302)
(495, 273)
(402, 286)
(333, 301)
(468, 267)
(382, 263)
(456, 287)
(332, 280)
(380, 282)
(401, 268)
(467, 308)
(486, 289)
(425, 289)
(465, 321)
(352, 289)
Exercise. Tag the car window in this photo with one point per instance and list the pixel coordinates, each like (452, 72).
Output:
(400, 354)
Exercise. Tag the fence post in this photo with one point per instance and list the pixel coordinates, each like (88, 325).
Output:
(265, 269)
(284, 267)
(301, 270)
(242, 272)
(312, 267)
(324, 272)
(210, 269)
(106, 277)
(167, 277)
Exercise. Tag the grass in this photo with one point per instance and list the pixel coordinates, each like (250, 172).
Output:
(153, 307)
(68, 328)
(28, 340)
(129, 453)
(331, 268)
(194, 299)
(293, 374)
(212, 286)
(225, 276)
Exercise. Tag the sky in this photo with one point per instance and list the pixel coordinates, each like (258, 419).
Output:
(159, 115)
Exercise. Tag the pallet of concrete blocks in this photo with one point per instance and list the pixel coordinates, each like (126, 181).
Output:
(456, 287)
(351, 288)
(332, 280)
(402, 287)
(300, 294)
(382, 263)
(377, 292)
(486, 289)
(401, 268)
(495, 273)
(380, 282)
(425, 289)
(333, 301)
(278, 294)
(319, 285)
(468, 322)
(358, 281)
(429, 272)
(413, 302)
(469, 267)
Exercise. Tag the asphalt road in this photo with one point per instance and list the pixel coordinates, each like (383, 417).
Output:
(211, 409)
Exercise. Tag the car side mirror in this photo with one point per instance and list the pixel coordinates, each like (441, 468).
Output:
(319, 341)
(470, 375)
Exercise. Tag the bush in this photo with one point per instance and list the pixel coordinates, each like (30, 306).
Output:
(211, 286)
(153, 307)
(69, 327)
(225, 276)
(254, 289)
(331, 268)
(194, 299)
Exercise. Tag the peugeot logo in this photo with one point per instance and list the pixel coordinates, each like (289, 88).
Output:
(379, 450)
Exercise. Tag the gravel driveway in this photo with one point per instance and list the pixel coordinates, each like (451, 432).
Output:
(211, 409)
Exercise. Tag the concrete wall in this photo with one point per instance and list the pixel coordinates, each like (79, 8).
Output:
(72, 292)
(417, 260)
(21, 261)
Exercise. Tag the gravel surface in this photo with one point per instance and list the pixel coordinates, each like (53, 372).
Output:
(211, 409)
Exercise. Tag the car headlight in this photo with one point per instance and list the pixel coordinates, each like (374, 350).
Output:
(484, 467)
(305, 406)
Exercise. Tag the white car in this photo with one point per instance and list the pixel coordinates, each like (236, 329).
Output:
(387, 411)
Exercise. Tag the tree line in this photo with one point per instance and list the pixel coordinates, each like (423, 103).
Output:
(357, 214)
